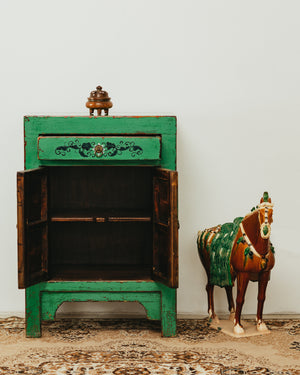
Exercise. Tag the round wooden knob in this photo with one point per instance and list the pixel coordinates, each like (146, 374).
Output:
(98, 150)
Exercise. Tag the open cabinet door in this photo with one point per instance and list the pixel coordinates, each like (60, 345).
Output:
(32, 226)
(165, 234)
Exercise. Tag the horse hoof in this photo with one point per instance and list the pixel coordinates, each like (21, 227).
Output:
(238, 330)
(261, 327)
(215, 320)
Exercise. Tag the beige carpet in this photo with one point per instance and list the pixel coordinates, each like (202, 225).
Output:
(134, 346)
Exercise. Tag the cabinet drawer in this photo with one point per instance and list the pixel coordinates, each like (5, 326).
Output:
(99, 147)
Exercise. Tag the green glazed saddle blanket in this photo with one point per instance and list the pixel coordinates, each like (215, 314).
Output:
(220, 251)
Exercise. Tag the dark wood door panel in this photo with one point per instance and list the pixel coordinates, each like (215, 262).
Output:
(32, 194)
(165, 227)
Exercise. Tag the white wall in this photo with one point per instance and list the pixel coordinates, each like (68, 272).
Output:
(230, 72)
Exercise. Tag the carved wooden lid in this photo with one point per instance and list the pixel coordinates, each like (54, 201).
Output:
(98, 95)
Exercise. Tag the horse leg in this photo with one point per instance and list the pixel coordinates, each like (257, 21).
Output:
(205, 259)
(210, 297)
(230, 302)
(262, 286)
(242, 283)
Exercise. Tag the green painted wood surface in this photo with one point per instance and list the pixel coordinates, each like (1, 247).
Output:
(168, 311)
(164, 126)
(51, 301)
(43, 299)
(114, 148)
(33, 311)
(105, 286)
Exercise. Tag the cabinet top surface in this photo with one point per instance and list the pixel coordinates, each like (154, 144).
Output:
(37, 127)
(99, 117)
(85, 124)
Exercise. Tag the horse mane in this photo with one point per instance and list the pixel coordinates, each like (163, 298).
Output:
(252, 229)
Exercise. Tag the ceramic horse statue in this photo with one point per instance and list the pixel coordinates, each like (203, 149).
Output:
(240, 250)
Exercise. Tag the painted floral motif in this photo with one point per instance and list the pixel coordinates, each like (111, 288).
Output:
(87, 149)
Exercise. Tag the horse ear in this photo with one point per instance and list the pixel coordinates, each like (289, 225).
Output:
(269, 200)
(262, 199)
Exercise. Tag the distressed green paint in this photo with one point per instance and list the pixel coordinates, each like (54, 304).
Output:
(164, 126)
(51, 301)
(168, 311)
(105, 286)
(114, 148)
(33, 311)
(43, 299)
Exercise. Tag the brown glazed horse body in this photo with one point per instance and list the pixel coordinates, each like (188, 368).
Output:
(250, 257)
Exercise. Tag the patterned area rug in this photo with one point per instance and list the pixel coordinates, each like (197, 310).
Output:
(134, 346)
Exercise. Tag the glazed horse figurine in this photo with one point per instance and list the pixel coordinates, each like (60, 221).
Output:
(240, 250)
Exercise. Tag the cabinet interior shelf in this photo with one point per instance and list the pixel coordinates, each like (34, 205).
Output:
(112, 219)
(101, 216)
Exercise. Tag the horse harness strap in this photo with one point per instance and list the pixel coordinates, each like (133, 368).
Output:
(265, 228)
(264, 258)
(248, 242)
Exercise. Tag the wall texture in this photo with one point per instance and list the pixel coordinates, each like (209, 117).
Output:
(229, 71)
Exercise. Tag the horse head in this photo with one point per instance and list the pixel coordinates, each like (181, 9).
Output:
(265, 215)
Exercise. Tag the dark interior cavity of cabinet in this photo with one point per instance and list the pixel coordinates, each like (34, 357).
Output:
(100, 223)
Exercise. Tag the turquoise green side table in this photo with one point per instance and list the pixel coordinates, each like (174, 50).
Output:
(98, 215)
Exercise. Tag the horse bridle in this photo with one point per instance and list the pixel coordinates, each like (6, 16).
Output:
(265, 227)
(264, 260)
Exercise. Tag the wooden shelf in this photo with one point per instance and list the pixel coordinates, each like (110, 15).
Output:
(101, 216)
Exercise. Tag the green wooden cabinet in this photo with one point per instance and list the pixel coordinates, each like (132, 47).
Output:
(98, 215)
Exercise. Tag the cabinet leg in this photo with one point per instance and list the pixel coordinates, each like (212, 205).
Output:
(33, 312)
(168, 312)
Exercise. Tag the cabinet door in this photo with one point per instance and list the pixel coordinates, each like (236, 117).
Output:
(165, 235)
(32, 226)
